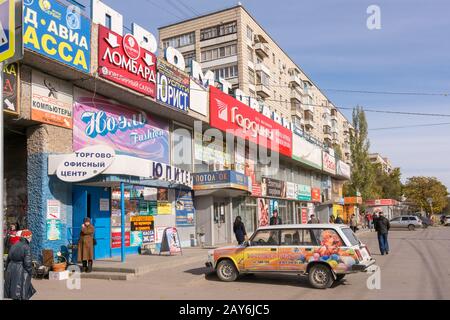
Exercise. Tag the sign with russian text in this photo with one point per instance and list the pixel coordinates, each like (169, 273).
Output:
(231, 115)
(329, 163)
(316, 195)
(85, 164)
(273, 188)
(306, 152)
(184, 208)
(58, 32)
(291, 190)
(173, 86)
(11, 88)
(303, 192)
(220, 179)
(343, 169)
(132, 132)
(51, 100)
(123, 61)
(7, 29)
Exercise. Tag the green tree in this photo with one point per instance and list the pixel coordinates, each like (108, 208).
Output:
(387, 185)
(419, 189)
(363, 175)
(337, 151)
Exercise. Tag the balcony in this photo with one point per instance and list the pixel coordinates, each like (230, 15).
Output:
(296, 110)
(262, 68)
(327, 122)
(263, 90)
(262, 50)
(334, 129)
(346, 128)
(328, 136)
(309, 108)
(296, 96)
(309, 123)
(295, 81)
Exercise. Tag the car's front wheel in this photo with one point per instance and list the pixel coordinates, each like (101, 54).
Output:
(226, 271)
(320, 276)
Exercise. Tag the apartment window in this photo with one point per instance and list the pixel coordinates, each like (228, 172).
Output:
(249, 33)
(180, 41)
(251, 76)
(250, 54)
(108, 21)
(226, 72)
(188, 57)
(273, 58)
(218, 31)
(262, 78)
(219, 53)
(252, 93)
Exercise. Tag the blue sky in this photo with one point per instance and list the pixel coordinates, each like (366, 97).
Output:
(329, 40)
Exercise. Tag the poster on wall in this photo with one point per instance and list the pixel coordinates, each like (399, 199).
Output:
(170, 241)
(58, 32)
(116, 238)
(11, 88)
(173, 86)
(136, 238)
(184, 208)
(263, 212)
(53, 210)
(291, 190)
(123, 61)
(164, 208)
(306, 152)
(304, 215)
(53, 229)
(51, 100)
(303, 192)
(316, 195)
(127, 131)
(144, 224)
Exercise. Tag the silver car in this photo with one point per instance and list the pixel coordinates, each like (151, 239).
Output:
(410, 222)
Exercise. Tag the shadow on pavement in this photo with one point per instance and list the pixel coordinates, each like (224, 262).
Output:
(199, 271)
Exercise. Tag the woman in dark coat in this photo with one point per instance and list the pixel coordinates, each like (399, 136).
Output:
(239, 230)
(86, 245)
(19, 270)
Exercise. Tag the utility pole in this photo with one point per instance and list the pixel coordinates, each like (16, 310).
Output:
(430, 201)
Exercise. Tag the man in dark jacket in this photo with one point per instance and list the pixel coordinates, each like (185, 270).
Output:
(275, 220)
(382, 226)
(19, 270)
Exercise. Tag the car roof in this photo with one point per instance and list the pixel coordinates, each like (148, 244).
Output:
(305, 226)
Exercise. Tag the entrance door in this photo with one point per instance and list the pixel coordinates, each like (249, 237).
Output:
(94, 203)
(220, 223)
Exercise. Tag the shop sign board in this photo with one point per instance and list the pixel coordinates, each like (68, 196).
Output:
(291, 190)
(173, 86)
(343, 169)
(306, 152)
(353, 200)
(198, 97)
(273, 188)
(51, 100)
(230, 115)
(303, 192)
(329, 163)
(316, 195)
(304, 215)
(171, 241)
(10, 85)
(58, 32)
(123, 61)
(132, 132)
(220, 179)
(184, 208)
(381, 202)
(85, 164)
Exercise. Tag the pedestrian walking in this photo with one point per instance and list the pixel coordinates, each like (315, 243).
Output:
(275, 220)
(19, 269)
(332, 219)
(354, 223)
(382, 226)
(239, 230)
(313, 220)
(338, 220)
(86, 245)
(369, 218)
(12, 237)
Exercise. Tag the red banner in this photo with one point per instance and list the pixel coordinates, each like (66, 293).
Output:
(227, 113)
(122, 60)
(315, 195)
(382, 202)
(304, 215)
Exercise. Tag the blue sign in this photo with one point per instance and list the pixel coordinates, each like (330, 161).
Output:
(184, 208)
(173, 86)
(58, 32)
(7, 29)
(220, 179)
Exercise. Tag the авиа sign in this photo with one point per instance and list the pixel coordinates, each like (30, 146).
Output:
(57, 32)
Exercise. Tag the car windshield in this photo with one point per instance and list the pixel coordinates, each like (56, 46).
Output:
(350, 235)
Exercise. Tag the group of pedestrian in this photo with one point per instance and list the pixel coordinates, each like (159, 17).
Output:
(19, 266)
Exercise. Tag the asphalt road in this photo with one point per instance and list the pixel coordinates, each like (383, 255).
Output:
(418, 267)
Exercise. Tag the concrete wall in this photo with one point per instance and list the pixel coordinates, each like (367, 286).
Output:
(204, 207)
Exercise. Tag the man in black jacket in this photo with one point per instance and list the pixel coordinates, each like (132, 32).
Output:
(382, 226)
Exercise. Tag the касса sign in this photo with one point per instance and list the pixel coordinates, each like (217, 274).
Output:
(86, 163)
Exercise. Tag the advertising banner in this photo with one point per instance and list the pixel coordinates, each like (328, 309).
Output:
(304, 215)
(291, 190)
(116, 238)
(143, 224)
(184, 208)
(171, 241)
(273, 188)
(336, 191)
(53, 229)
(306, 152)
(220, 179)
(228, 114)
(123, 61)
(173, 86)
(316, 195)
(10, 85)
(343, 169)
(130, 132)
(303, 192)
(263, 212)
(51, 100)
(198, 98)
(58, 32)
(329, 163)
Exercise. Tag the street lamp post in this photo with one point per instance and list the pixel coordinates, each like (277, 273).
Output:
(430, 201)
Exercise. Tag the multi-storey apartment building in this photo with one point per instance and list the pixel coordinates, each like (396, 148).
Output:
(385, 163)
(237, 48)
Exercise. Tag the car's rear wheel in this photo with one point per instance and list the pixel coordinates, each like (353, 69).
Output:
(339, 277)
(226, 271)
(320, 276)
(411, 227)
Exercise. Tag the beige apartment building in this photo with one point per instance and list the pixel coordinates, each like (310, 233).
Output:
(383, 161)
(235, 46)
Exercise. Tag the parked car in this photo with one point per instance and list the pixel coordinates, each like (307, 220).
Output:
(410, 222)
(447, 221)
(323, 252)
